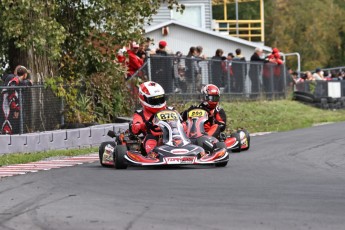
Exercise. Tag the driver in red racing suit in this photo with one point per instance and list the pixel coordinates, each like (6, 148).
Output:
(152, 99)
(216, 123)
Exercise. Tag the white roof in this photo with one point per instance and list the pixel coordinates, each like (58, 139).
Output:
(210, 32)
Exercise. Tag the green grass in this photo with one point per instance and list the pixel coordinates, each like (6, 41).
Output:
(20, 158)
(280, 115)
(255, 116)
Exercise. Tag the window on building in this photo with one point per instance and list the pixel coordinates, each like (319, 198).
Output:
(194, 14)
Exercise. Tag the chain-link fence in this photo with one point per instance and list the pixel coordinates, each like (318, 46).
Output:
(185, 76)
(39, 109)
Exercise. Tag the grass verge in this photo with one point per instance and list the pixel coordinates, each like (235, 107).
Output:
(21, 158)
(255, 116)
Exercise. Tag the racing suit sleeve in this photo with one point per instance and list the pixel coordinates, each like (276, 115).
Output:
(138, 126)
(220, 119)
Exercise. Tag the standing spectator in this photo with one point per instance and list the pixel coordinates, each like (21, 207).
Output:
(134, 62)
(179, 73)
(229, 75)
(199, 54)
(318, 75)
(255, 69)
(272, 79)
(162, 67)
(239, 67)
(192, 70)
(11, 101)
(216, 68)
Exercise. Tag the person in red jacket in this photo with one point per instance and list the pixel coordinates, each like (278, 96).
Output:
(152, 100)
(134, 62)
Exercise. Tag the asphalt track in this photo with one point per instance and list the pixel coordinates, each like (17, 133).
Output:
(287, 180)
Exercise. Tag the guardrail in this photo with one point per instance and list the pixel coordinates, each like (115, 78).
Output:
(58, 139)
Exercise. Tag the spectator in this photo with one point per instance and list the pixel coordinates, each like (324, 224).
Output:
(318, 75)
(11, 101)
(229, 75)
(134, 62)
(309, 76)
(272, 79)
(162, 67)
(179, 73)
(255, 70)
(199, 54)
(239, 68)
(216, 68)
(192, 70)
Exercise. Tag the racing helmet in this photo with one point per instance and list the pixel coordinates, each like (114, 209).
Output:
(211, 95)
(152, 96)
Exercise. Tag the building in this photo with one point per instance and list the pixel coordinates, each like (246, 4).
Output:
(193, 28)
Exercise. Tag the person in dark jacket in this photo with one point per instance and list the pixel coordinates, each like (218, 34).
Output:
(255, 70)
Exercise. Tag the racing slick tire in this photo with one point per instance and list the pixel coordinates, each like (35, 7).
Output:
(101, 151)
(238, 147)
(248, 139)
(119, 157)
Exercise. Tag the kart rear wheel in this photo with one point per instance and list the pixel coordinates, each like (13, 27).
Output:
(237, 149)
(101, 151)
(119, 157)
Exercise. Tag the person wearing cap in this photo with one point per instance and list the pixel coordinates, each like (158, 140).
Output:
(10, 100)
(272, 72)
(162, 67)
(161, 50)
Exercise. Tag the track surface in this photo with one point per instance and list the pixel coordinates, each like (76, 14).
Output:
(288, 180)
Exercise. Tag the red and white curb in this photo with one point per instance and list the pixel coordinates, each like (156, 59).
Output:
(19, 169)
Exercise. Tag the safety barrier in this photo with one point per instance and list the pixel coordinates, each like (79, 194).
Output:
(58, 139)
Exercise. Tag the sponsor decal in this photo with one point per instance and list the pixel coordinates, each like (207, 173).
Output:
(180, 160)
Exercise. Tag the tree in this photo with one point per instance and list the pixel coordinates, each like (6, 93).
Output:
(312, 28)
(73, 43)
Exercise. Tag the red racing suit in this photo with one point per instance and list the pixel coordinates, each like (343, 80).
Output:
(139, 125)
(216, 122)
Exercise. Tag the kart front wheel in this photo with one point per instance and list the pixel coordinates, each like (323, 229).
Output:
(102, 149)
(236, 149)
(119, 157)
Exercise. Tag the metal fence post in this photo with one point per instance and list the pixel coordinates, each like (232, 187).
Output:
(21, 120)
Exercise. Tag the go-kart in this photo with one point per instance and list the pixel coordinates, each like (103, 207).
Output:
(175, 148)
(196, 118)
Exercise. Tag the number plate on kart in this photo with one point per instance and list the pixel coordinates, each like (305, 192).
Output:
(196, 113)
(167, 116)
(180, 160)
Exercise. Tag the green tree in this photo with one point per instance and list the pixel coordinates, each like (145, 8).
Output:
(73, 43)
(314, 28)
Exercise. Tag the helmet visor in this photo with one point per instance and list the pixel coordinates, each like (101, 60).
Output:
(214, 98)
(156, 100)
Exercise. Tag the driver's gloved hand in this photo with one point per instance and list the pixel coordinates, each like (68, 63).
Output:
(222, 137)
(148, 124)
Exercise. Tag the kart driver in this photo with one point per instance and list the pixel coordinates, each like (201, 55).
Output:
(152, 99)
(216, 122)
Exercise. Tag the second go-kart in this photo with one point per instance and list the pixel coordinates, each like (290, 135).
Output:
(196, 118)
(175, 149)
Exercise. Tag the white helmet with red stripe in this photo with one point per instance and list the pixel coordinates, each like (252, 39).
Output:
(152, 96)
(211, 95)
